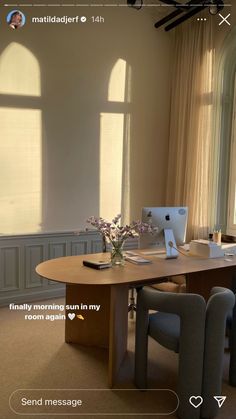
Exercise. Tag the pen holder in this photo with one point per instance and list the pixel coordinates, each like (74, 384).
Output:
(217, 237)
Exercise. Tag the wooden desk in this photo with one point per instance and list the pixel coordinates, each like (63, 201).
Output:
(109, 288)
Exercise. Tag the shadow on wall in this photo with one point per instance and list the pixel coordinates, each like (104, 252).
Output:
(67, 108)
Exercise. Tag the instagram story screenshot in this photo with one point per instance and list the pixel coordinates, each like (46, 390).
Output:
(118, 209)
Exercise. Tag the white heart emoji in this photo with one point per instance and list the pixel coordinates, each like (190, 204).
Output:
(71, 316)
(196, 401)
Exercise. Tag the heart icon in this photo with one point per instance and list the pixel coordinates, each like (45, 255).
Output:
(71, 316)
(196, 401)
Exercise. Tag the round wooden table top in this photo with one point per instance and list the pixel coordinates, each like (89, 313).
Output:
(70, 269)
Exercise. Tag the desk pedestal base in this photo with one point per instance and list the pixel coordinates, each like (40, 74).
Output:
(202, 282)
(106, 327)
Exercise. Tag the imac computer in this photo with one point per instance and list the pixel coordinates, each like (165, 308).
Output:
(169, 220)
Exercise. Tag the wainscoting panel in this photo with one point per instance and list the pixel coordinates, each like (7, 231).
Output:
(79, 248)
(57, 250)
(19, 255)
(34, 254)
(9, 268)
(96, 246)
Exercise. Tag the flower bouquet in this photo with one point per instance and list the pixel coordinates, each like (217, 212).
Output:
(116, 235)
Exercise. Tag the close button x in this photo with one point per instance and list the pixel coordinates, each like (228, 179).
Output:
(224, 19)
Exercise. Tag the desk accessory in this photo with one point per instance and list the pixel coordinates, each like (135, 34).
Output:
(229, 247)
(217, 236)
(206, 248)
(154, 252)
(97, 265)
(137, 260)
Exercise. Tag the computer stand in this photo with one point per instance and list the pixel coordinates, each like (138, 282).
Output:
(171, 248)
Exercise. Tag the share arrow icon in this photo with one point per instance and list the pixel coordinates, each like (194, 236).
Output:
(220, 400)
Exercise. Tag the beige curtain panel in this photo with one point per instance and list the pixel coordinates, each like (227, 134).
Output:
(193, 153)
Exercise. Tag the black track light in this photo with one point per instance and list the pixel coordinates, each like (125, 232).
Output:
(216, 6)
(135, 4)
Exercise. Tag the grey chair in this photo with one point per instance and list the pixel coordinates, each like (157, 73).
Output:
(182, 324)
(220, 304)
(231, 322)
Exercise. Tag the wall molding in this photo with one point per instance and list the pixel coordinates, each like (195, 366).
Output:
(20, 254)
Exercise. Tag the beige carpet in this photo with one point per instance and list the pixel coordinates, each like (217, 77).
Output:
(35, 356)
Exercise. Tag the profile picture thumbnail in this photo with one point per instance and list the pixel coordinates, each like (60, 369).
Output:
(15, 19)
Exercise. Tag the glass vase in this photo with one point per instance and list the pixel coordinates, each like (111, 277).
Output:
(117, 256)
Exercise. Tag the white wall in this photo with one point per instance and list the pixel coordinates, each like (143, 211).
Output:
(75, 63)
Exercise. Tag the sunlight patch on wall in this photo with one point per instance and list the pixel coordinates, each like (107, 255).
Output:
(115, 145)
(111, 158)
(19, 71)
(20, 171)
(125, 200)
(117, 82)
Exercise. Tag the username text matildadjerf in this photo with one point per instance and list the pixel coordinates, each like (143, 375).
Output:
(56, 19)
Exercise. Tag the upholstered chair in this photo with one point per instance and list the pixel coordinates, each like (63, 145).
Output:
(195, 330)
(232, 345)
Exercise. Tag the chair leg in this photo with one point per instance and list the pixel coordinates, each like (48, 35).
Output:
(132, 305)
(141, 348)
(191, 352)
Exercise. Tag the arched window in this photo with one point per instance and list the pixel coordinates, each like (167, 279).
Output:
(20, 141)
(114, 144)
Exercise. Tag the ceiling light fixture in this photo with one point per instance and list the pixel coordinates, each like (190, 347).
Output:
(216, 6)
(184, 11)
(135, 4)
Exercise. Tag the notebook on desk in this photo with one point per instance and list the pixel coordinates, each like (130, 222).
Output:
(138, 260)
(153, 252)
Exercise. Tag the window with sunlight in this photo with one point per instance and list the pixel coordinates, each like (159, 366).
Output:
(114, 145)
(20, 142)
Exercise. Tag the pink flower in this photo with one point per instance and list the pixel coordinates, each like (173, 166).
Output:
(116, 233)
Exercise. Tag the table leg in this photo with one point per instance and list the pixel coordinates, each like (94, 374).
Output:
(118, 329)
(94, 329)
(104, 328)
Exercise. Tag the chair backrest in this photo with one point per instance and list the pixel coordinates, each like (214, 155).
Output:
(232, 341)
(201, 343)
(191, 308)
(220, 303)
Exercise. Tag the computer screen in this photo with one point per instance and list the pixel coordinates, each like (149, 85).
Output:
(174, 218)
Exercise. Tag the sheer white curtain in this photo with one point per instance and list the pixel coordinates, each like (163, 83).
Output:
(193, 153)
